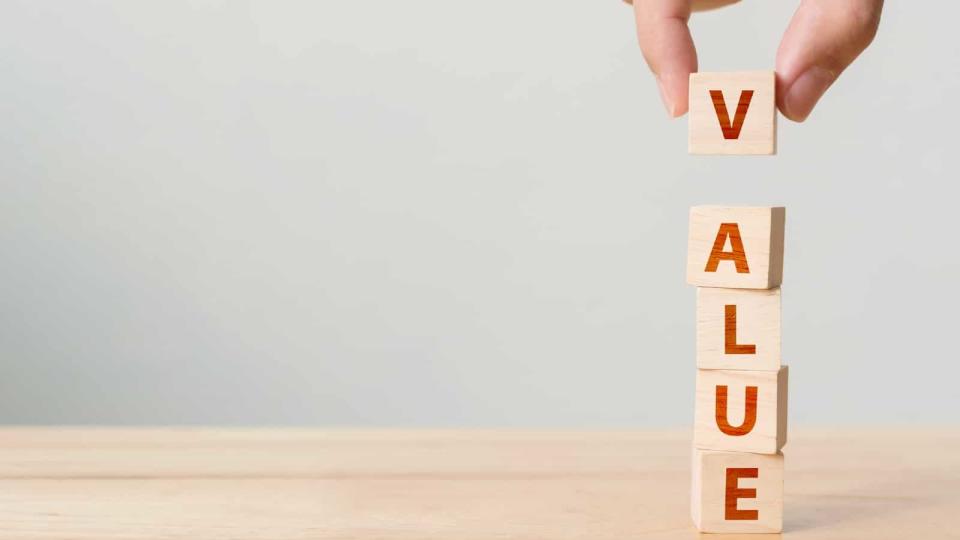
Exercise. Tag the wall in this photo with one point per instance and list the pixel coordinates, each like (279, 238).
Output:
(440, 213)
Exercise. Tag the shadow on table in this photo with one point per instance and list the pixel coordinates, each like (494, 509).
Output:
(832, 508)
(819, 510)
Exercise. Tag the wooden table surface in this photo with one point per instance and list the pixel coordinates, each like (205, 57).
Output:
(483, 485)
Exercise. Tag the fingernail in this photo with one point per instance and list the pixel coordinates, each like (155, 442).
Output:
(665, 97)
(803, 94)
(667, 85)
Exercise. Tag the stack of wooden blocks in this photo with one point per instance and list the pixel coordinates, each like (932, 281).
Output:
(735, 258)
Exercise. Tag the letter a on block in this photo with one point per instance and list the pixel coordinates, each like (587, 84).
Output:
(735, 247)
(737, 492)
(729, 231)
(733, 113)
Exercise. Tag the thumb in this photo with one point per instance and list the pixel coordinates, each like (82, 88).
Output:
(823, 38)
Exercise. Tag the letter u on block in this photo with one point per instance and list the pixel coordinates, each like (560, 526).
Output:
(741, 411)
(749, 413)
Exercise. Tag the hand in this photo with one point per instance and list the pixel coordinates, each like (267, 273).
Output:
(823, 38)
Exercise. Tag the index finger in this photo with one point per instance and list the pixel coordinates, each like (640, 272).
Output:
(668, 48)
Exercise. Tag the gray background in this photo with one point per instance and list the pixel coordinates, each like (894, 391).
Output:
(438, 213)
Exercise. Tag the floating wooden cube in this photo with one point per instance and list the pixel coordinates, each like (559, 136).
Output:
(734, 492)
(738, 329)
(741, 411)
(736, 247)
(733, 113)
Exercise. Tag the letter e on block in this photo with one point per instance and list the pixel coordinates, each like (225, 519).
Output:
(736, 247)
(741, 411)
(734, 492)
(733, 113)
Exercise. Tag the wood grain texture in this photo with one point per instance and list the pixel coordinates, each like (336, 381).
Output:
(756, 323)
(767, 432)
(761, 231)
(733, 113)
(112, 484)
(721, 502)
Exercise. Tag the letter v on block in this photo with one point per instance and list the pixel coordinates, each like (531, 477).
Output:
(731, 130)
(733, 113)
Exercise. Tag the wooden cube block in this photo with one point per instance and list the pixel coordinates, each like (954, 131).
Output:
(736, 247)
(738, 329)
(733, 113)
(742, 411)
(734, 492)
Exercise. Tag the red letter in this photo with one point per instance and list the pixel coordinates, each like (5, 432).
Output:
(749, 415)
(738, 255)
(734, 492)
(731, 131)
(730, 344)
